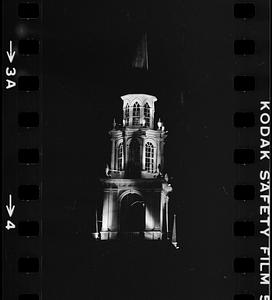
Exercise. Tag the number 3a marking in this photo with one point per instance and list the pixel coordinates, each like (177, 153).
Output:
(10, 225)
(10, 72)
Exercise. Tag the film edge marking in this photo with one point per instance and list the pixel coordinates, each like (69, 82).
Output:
(10, 70)
(264, 197)
(10, 210)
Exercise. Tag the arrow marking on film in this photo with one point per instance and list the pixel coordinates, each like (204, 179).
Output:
(10, 53)
(10, 208)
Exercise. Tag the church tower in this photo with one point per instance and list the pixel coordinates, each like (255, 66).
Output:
(135, 189)
(136, 211)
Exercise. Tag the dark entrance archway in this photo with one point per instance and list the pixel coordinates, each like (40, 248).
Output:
(132, 218)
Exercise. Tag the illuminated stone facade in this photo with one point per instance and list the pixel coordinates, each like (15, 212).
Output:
(135, 201)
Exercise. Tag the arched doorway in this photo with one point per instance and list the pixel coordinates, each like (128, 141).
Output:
(132, 216)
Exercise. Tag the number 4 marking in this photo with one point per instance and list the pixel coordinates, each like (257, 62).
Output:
(10, 225)
(10, 209)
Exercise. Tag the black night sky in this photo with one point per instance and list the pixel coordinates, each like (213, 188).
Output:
(87, 49)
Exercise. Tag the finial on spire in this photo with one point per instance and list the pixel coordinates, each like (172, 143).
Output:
(107, 170)
(159, 124)
(114, 123)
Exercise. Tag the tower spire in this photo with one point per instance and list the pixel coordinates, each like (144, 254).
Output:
(141, 58)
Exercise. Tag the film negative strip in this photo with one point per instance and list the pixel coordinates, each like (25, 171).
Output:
(136, 150)
(252, 224)
(22, 145)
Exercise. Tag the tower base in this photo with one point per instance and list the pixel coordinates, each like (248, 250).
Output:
(114, 235)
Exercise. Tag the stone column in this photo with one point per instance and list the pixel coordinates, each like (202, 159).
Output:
(143, 155)
(114, 207)
(167, 216)
(105, 213)
(112, 153)
(130, 115)
(162, 153)
(152, 118)
(126, 151)
(161, 211)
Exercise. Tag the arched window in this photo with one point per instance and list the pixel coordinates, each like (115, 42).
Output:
(133, 166)
(147, 114)
(127, 115)
(136, 114)
(149, 157)
(120, 157)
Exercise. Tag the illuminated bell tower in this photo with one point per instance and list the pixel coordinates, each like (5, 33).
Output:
(135, 188)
